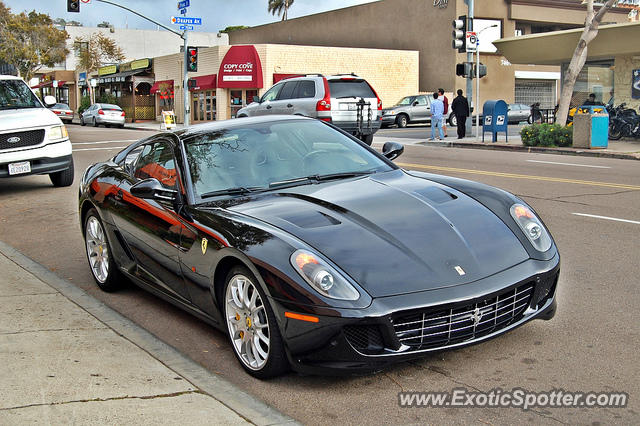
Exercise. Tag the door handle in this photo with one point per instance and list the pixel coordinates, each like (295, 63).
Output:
(268, 106)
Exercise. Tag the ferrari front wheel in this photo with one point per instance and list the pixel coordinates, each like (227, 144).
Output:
(252, 326)
(103, 268)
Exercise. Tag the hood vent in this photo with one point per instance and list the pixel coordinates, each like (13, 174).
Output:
(310, 219)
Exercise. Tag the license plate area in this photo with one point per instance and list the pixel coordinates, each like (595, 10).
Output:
(348, 107)
(19, 168)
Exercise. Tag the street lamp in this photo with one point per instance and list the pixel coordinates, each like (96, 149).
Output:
(478, 78)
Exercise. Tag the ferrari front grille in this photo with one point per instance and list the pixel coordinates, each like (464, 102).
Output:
(21, 139)
(441, 327)
(365, 338)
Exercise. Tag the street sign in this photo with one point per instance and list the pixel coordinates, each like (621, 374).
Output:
(186, 27)
(183, 4)
(186, 21)
(183, 11)
(472, 41)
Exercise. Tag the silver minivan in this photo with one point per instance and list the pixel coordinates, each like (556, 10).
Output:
(410, 109)
(345, 100)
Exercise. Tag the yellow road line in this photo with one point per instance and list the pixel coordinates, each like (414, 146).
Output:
(517, 176)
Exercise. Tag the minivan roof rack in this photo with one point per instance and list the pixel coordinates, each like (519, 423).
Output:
(350, 73)
(317, 74)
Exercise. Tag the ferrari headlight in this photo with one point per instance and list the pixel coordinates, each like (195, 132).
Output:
(322, 277)
(531, 226)
(58, 132)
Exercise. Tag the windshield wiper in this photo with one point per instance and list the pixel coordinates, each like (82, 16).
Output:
(315, 179)
(342, 175)
(292, 182)
(240, 190)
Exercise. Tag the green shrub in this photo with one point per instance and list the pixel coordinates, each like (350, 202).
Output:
(546, 134)
(107, 98)
(85, 103)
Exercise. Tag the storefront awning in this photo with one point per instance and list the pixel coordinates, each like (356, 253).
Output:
(278, 77)
(204, 82)
(162, 86)
(120, 76)
(557, 47)
(240, 68)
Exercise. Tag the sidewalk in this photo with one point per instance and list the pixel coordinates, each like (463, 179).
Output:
(67, 358)
(624, 149)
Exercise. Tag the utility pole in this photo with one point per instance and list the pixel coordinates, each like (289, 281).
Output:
(469, 123)
(185, 36)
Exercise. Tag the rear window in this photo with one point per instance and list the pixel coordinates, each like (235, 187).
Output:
(110, 107)
(61, 106)
(350, 88)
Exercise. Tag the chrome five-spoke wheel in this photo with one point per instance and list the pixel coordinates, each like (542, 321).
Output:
(103, 268)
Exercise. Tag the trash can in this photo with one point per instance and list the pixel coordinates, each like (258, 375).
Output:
(591, 127)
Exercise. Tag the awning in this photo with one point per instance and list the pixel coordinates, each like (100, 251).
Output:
(557, 47)
(278, 77)
(120, 76)
(204, 82)
(240, 68)
(162, 86)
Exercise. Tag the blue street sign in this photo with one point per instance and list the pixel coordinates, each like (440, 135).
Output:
(186, 27)
(186, 21)
(183, 11)
(183, 4)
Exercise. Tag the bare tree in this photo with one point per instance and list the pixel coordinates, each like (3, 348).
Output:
(95, 51)
(580, 56)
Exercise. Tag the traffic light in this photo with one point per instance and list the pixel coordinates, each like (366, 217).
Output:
(192, 59)
(73, 6)
(464, 69)
(482, 70)
(459, 33)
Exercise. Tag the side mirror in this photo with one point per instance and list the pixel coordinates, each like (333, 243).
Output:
(256, 99)
(49, 101)
(415, 103)
(152, 189)
(392, 150)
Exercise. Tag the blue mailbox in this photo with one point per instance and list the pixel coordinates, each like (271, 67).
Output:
(494, 119)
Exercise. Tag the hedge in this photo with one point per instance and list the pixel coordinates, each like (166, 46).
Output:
(546, 134)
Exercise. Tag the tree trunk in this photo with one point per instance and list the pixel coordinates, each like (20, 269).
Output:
(580, 57)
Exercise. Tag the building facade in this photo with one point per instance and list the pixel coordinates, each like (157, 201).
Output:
(425, 26)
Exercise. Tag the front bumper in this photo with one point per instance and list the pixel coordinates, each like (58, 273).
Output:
(50, 158)
(389, 119)
(347, 341)
(41, 166)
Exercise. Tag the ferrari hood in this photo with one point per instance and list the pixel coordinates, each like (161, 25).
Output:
(394, 233)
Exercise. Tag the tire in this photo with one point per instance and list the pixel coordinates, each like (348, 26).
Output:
(453, 120)
(252, 326)
(401, 121)
(530, 119)
(368, 139)
(82, 123)
(615, 131)
(62, 178)
(103, 267)
(95, 122)
(120, 126)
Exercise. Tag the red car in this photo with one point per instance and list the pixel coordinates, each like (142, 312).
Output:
(64, 112)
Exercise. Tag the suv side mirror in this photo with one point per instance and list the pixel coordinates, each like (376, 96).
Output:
(49, 101)
(256, 99)
(392, 150)
(152, 189)
(415, 103)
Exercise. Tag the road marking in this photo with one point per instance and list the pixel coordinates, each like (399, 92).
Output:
(607, 218)
(517, 176)
(102, 142)
(568, 164)
(99, 149)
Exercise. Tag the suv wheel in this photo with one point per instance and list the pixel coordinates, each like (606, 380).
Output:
(62, 178)
(402, 121)
(368, 139)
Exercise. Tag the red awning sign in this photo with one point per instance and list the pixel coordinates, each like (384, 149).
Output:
(204, 82)
(240, 68)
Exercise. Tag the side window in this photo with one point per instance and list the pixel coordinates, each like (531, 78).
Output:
(422, 100)
(272, 93)
(288, 90)
(156, 161)
(306, 89)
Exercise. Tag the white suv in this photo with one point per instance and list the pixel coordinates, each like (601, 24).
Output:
(33, 140)
(345, 100)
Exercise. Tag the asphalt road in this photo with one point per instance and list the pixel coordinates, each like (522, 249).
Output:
(591, 344)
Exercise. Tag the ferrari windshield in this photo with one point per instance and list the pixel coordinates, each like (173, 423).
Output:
(16, 94)
(274, 155)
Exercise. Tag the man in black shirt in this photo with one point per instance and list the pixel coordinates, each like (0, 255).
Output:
(460, 108)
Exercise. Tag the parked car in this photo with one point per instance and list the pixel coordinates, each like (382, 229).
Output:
(346, 100)
(107, 114)
(63, 112)
(33, 140)
(410, 109)
(312, 250)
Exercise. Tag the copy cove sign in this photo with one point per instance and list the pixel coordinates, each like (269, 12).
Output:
(240, 68)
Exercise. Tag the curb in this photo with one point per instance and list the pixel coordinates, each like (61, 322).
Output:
(245, 405)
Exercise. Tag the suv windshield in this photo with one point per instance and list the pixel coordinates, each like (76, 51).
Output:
(350, 88)
(16, 94)
(408, 100)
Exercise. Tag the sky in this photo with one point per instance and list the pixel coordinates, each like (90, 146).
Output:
(215, 14)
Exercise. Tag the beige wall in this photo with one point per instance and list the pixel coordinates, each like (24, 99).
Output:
(392, 73)
(622, 77)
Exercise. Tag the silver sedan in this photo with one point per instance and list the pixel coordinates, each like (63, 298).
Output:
(107, 114)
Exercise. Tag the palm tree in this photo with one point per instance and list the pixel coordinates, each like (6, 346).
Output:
(280, 7)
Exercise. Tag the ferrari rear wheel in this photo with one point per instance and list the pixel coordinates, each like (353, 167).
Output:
(252, 326)
(103, 268)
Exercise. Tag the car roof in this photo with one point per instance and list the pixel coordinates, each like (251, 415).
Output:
(236, 123)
